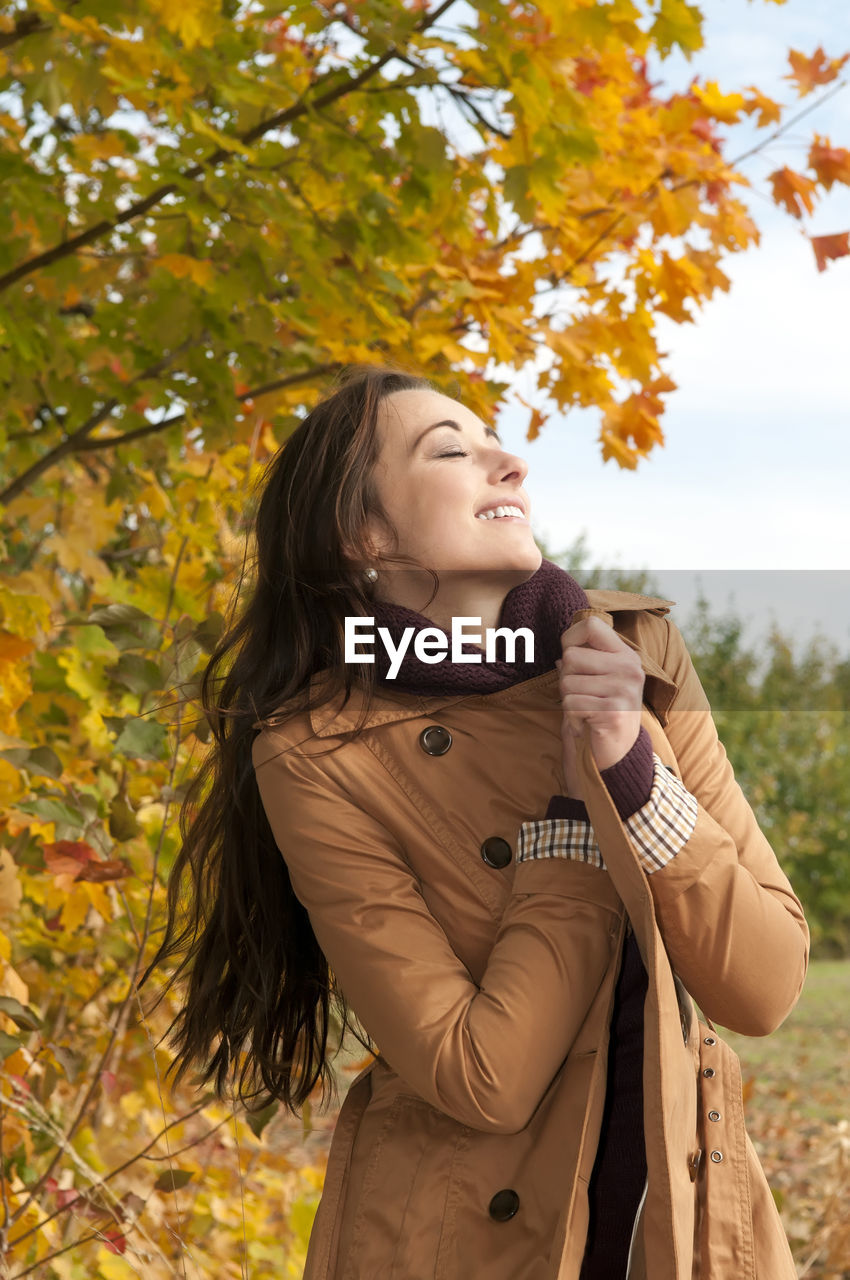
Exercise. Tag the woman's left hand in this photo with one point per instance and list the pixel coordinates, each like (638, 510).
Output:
(601, 683)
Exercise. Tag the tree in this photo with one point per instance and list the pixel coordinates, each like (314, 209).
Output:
(209, 208)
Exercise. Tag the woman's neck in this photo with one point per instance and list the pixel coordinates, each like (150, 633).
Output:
(478, 595)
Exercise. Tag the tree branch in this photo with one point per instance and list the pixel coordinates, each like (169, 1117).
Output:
(113, 1173)
(71, 443)
(220, 156)
(26, 24)
(78, 442)
(782, 128)
(111, 442)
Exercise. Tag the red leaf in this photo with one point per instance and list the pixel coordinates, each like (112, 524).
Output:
(101, 871)
(74, 858)
(827, 248)
(115, 1240)
(67, 857)
(702, 129)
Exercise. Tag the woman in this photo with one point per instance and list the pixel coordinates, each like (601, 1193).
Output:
(516, 869)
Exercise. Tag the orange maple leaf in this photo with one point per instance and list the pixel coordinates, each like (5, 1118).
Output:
(831, 164)
(769, 111)
(537, 420)
(794, 190)
(827, 248)
(807, 73)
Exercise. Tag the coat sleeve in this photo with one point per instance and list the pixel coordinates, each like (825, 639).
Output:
(485, 1053)
(733, 927)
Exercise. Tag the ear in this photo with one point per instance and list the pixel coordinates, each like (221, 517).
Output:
(373, 542)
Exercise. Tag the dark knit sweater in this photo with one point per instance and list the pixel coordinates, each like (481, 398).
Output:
(546, 604)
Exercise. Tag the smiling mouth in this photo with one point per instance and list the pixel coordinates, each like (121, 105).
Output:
(506, 513)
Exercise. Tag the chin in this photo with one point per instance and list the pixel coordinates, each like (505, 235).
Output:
(521, 565)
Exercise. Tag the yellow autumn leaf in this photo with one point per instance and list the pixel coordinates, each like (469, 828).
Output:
(194, 22)
(12, 984)
(10, 886)
(198, 270)
(769, 112)
(725, 107)
(224, 140)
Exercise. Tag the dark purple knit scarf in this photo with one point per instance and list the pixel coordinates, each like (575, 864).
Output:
(545, 604)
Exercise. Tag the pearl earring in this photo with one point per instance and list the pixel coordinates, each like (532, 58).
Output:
(371, 574)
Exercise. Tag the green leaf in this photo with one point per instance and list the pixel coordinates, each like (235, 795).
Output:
(210, 631)
(677, 23)
(516, 190)
(179, 661)
(69, 1062)
(257, 1120)
(22, 1015)
(50, 810)
(172, 1180)
(122, 820)
(127, 627)
(136, 673)
(38, 760)
(142, 739)
(8, 1045)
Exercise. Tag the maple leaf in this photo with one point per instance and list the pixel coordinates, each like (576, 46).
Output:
(808, 73)
(831, 164)
(769, 112)
(794, 190)
(537, 420)
(828, 248)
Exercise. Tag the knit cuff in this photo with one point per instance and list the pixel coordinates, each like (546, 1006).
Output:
(629, 783)
(567, 807)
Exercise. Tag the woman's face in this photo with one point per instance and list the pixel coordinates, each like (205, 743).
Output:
(435, 479)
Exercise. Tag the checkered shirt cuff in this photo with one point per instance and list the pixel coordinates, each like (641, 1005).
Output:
(658, 831)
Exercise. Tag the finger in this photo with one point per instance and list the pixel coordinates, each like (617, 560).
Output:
(582, 660)
(594, 632)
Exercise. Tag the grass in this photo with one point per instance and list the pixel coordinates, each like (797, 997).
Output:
(802, 1067)
(798, 1116)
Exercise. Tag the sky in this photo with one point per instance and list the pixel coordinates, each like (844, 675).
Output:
(747, 502)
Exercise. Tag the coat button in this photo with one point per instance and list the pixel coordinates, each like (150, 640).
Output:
(714, 1115)
(693, 1164)
(684, 1022)
(496, 852)
(504, 1205)
(435, 740)
(708, 1073)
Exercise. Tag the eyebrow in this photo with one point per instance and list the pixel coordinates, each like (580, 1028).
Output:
(450, 422)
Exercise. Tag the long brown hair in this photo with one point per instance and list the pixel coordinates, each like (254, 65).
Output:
(259, 994)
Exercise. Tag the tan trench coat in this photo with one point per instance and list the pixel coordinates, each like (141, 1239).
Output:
(489, 991)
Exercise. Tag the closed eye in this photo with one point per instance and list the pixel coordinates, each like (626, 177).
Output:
(452, 455)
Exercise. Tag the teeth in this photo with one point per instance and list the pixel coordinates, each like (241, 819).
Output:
(495, 512)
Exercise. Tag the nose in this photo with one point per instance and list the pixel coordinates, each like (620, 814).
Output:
(510, 466)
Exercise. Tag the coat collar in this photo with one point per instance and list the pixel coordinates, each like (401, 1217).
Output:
(332, 718)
